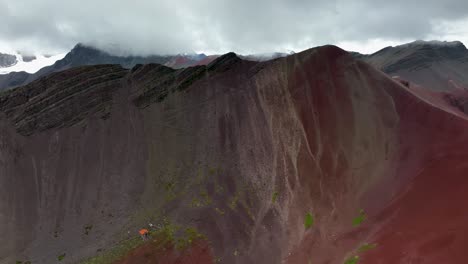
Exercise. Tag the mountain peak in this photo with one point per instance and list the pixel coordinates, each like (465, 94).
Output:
(224, 62)
(434, 44)
(81, 48)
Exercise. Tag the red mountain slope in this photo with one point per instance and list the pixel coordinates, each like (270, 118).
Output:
(310, 158)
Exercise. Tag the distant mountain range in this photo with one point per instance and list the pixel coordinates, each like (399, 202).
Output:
(433, 64)
(82, 55)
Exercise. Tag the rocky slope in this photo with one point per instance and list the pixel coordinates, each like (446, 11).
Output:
(432, 64)
(316, 157)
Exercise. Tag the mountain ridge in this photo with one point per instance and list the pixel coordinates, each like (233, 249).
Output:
(82, 55)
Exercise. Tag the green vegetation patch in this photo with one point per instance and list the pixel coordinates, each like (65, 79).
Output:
(219, 211)
(308, 221)
(170, 191)
(360, 219)
(196, 203)
(61, 257)
(212, 171)
(233, 202)
(352, 260)
(274, 197)
(363, 248)
(190, 235)
(167, 233)
(366, 247)
(219, 189)
(205, 197)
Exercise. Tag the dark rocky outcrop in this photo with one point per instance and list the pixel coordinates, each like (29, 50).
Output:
(7, 60)
(29, 58)
(62, 99)
(457, 101)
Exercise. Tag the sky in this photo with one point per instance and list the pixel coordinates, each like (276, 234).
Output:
(142, 27)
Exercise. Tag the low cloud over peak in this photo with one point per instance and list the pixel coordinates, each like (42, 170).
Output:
(217, 26)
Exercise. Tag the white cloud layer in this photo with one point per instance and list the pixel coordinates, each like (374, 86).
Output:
(216, 26)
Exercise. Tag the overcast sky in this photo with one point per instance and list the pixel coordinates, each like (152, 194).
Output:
(217, 26)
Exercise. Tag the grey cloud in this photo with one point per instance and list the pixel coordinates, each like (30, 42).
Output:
(172, 26)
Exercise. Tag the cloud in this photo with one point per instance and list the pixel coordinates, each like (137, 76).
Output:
(214, 26)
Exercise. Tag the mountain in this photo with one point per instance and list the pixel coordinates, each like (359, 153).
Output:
(432, 64)
(82, 55)
(7, 60)
(311, 158)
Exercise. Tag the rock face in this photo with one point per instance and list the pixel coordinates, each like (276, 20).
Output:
(7, 60)
(28, 57)
(432, 64)
(304, 158)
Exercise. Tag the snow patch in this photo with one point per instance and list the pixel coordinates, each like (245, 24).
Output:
(33, 66)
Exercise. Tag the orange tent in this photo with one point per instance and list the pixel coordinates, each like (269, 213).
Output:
(143, 231)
